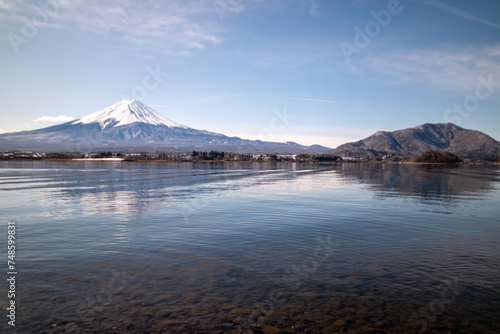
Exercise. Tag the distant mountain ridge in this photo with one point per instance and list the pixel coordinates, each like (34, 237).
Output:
(467, 144)
(131, 126)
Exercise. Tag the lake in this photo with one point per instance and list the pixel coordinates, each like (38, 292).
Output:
(164, 247)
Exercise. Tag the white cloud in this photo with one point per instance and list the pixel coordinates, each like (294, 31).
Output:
(168, 27)
(225, 7)
(493, 50)
(448, 68)
(54, 119)
(173, 27)
(14, 15)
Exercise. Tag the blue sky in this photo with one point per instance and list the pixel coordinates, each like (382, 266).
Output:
(310, 71)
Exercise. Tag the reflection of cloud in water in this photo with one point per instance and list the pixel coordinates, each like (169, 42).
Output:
(187, 189)
(132, 189)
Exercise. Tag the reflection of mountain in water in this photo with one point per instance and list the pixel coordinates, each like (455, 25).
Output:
(135, 188)
(436, 182)
(188, 186)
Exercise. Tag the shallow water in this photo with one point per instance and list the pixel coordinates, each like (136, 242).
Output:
(113, 247)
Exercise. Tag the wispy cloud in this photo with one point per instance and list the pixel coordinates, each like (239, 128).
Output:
(173, 27)
(169, 27)
(54, 119)
(450, 68)
(459, 12)
(14, 15)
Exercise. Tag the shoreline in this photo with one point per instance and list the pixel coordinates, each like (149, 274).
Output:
(259, 161)
(97, 159)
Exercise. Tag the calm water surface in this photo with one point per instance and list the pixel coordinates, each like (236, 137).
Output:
(114, 247)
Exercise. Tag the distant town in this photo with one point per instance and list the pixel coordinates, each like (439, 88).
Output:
(164, 156)
(427, 156)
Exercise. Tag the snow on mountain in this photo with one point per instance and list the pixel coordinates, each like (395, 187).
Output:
(131, 126)
(127, 112)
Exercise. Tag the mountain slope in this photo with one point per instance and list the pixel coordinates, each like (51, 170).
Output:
(127, 112)
(407, 142)
(132, 126)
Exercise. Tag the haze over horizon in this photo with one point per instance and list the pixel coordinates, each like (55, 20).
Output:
(308, 71)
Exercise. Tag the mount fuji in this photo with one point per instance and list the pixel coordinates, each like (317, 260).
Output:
(132, 126)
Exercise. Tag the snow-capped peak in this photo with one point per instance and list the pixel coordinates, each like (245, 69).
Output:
(127, 112)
